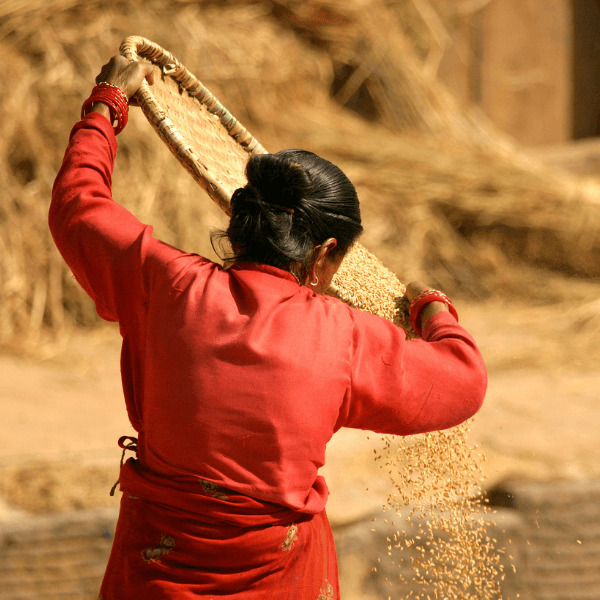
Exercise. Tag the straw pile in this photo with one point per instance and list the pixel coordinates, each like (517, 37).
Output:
(458, 219)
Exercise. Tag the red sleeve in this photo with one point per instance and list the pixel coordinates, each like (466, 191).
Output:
(404, 387)
(105, 246)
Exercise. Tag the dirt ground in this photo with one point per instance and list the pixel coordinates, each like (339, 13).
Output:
(62, 415)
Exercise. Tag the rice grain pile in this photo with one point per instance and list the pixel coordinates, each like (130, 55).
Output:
(363, 282)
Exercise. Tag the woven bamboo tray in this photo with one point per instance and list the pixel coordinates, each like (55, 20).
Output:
(214, 147)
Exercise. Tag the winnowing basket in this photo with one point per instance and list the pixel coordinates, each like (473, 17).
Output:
(214, 147)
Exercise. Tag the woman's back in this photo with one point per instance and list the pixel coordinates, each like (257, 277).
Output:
(245, 372)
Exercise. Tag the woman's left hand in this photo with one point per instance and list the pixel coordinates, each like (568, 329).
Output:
(126, 75)
(415, 288)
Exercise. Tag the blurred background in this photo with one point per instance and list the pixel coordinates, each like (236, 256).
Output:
(469, 128)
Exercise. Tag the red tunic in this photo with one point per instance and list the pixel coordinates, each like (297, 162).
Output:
(239, 377)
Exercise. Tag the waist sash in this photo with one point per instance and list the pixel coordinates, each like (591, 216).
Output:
(209, 502)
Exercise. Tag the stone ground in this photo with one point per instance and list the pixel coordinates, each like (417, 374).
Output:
(63, 415)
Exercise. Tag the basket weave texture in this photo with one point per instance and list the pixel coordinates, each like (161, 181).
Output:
(214, 147)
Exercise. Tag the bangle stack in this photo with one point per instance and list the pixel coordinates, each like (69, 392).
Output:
(419, 303)
(116, 100)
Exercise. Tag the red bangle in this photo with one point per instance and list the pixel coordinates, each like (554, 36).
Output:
(116, 100)
(419, 303)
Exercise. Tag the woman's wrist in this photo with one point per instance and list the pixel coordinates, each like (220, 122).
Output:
(424, 303)
(114, 98)
(432, 309)
(101, 108)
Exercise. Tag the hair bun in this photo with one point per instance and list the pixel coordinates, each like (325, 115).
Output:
(244, 194)
(278, 180)
(321, 198)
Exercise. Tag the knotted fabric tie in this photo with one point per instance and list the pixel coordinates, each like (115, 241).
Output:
(126, 442)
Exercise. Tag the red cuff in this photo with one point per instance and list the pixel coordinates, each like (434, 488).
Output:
(437, 321)
(95, 120)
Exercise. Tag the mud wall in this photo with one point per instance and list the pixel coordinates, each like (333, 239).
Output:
(516, 59)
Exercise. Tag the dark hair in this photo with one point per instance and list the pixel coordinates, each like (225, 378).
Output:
(293, 200)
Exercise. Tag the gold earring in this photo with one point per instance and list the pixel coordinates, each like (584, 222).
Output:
(315, 283)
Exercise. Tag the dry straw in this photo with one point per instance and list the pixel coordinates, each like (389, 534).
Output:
(416, 196)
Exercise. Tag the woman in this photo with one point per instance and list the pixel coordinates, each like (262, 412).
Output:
(236, 379)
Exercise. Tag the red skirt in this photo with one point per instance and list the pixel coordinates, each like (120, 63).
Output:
(178, 541)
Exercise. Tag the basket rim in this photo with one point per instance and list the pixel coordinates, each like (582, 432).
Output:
(135, 48)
